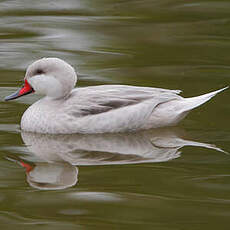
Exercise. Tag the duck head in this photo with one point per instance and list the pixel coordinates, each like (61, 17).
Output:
(51, 77)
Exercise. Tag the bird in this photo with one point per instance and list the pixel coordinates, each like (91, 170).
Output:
(96, 109)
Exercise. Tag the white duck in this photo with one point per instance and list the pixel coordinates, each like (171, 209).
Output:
(96, 109)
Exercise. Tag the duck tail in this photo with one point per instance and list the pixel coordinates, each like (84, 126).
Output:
(193, 102)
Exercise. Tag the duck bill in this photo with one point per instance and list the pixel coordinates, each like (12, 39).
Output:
(26, 89)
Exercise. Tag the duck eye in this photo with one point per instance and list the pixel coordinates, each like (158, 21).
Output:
(39, 71)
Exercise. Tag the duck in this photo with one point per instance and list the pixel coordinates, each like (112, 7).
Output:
(65, 109)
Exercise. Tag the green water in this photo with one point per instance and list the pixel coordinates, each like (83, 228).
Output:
(159, 179)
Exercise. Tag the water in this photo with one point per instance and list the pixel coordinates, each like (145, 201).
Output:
(159, 179)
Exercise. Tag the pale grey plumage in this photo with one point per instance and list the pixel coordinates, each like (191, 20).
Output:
(98, 109)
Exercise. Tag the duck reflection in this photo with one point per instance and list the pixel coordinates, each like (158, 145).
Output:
(53, 176)
(56, 157)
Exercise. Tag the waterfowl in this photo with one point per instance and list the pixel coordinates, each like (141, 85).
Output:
(96, 109)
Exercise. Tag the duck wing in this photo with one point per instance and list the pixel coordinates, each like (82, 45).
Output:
(104, 98)
(110, 108)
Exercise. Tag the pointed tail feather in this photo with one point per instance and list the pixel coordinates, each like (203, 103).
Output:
(193, 102)
(172, 112)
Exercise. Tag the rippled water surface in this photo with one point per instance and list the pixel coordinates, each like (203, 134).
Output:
(174, 178)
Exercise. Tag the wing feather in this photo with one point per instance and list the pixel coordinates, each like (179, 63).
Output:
(95, 100)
